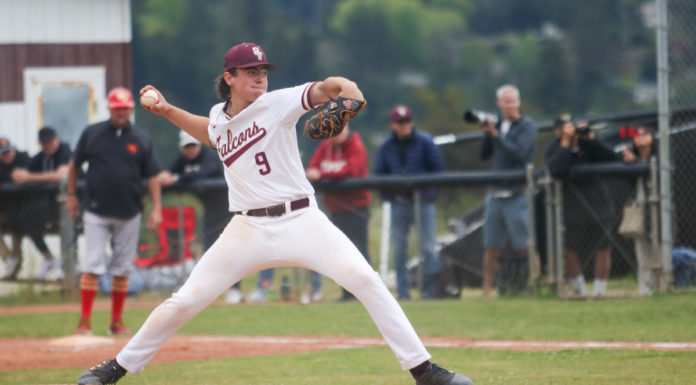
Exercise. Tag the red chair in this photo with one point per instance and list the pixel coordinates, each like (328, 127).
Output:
(169, 250)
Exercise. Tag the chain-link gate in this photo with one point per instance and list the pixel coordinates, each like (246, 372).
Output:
(682, 98)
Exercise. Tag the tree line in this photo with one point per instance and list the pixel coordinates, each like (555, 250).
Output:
(439, 56)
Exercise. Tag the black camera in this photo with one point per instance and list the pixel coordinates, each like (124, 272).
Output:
(582, 130)
(477, 116)
(566, 118)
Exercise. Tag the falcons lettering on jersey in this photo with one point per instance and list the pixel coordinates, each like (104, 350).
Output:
(238, 144)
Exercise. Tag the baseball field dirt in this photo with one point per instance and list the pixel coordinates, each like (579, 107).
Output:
(79, 351)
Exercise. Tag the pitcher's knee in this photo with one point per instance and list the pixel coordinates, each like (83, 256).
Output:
(184, 304)
(364, 281)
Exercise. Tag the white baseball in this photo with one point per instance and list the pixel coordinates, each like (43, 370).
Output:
(149, 98)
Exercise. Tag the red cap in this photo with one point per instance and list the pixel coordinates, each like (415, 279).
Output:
(400, 112)
(120, 97)
(246, 55)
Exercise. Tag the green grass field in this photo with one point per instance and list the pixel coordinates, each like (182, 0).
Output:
(377, 366)
(660, 318)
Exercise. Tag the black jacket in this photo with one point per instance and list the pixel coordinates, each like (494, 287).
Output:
(588, 196)
(413, 156)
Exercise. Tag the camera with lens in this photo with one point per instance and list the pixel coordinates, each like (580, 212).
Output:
(478, 116)
(582, 130)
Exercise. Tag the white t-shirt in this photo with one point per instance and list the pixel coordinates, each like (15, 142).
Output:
(258, 149)
(505, 127)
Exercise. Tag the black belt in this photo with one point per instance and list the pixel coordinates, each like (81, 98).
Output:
(277, 210)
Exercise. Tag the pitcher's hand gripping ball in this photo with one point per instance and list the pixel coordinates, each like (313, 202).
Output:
(149, 98)
(332, 117)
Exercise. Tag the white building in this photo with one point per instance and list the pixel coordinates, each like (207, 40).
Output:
(58, 59)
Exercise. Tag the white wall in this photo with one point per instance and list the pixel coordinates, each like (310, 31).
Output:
(64, 21)
(12, 123)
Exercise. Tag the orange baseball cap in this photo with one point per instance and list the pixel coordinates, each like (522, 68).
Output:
(5, 145)
(120, 97)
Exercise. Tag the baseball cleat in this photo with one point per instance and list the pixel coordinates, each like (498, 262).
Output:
(258, 295)
(108, 372)
(435, 375)
(84, 328)
(234, 296)
(118, 328)
(12, 265)
(47, 266)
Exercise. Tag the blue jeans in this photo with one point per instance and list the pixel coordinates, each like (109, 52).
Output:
(402, 217)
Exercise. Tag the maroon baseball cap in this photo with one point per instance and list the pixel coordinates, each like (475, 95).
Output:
(400, 112)
(246, 55)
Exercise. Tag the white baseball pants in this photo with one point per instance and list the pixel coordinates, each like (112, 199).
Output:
(304, 238)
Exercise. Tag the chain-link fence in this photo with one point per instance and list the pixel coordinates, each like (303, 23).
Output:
(30, 219)
(567, 216)
(599, 221)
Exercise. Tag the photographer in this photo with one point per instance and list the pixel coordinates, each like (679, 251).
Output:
(589, 209)
(510, 143)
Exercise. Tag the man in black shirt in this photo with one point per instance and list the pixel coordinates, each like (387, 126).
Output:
(50, 165)
(10, 160)
(121, 160)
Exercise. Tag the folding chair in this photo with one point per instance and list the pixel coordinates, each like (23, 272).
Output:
(175, 234)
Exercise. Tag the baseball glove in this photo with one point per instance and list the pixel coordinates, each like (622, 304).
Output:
(332, 117)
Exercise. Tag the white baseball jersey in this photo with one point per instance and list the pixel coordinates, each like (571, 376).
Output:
(258, 148)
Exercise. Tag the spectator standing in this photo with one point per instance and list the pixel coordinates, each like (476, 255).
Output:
(589, 209)
(50, 165)
(641, 149)
(408, 151)
(343, 156)
(509, 143)
(121, 162)
(11, 160)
